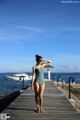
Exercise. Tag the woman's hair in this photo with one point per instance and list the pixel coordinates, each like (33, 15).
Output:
(38, 57)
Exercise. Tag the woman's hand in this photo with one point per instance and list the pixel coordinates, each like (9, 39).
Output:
(47, 61)
(32, 85)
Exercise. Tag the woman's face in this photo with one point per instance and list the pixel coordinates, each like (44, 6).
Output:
(40, 60)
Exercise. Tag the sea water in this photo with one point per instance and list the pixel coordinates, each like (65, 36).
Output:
(7, 86)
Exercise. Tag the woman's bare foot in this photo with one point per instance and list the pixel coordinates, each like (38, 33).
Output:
(41, 110)
(38, 109)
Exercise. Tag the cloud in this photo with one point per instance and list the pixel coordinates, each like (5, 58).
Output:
(64, 30)
(16, 35)
(16, 39)
(18, 68)
(15, 68)
(67, 68)
(33, 29)
(28, 68)
(66, 58)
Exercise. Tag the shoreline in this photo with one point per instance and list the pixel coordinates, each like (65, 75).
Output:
(66, 84)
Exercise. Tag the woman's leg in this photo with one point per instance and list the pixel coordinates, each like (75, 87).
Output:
(41, 91)
(36, 88)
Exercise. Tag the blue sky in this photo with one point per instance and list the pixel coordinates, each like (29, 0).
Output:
(50, 28)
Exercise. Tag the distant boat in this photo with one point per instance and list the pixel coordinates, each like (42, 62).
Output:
(19, 77)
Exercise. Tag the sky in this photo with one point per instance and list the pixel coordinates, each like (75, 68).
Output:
(50, 28)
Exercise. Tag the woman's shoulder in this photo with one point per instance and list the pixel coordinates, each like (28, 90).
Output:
(34, 67)
(37, 67)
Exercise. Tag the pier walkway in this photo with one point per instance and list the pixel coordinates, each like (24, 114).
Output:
(56, 106)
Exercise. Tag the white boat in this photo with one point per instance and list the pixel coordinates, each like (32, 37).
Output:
(19, 77)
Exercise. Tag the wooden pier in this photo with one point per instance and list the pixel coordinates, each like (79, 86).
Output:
(56, 106)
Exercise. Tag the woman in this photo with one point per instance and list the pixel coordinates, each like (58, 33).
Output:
(38, 82)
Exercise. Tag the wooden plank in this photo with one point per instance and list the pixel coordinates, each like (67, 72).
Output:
(56, 106)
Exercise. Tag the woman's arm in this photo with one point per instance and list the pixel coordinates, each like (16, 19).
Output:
(33, 77)
(47, 62)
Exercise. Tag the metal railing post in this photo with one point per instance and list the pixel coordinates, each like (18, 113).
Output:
(23, 82)
(70, 86)
(58, 77)
(53, 78)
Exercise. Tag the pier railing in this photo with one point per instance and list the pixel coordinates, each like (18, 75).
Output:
(10, 89)
(70, 89)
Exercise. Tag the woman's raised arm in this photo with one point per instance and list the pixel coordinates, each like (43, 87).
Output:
(47, 62)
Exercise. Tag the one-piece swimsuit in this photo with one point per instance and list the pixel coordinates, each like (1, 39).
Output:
(39, 77)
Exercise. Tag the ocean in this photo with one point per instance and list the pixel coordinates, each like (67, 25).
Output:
(7, 86)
